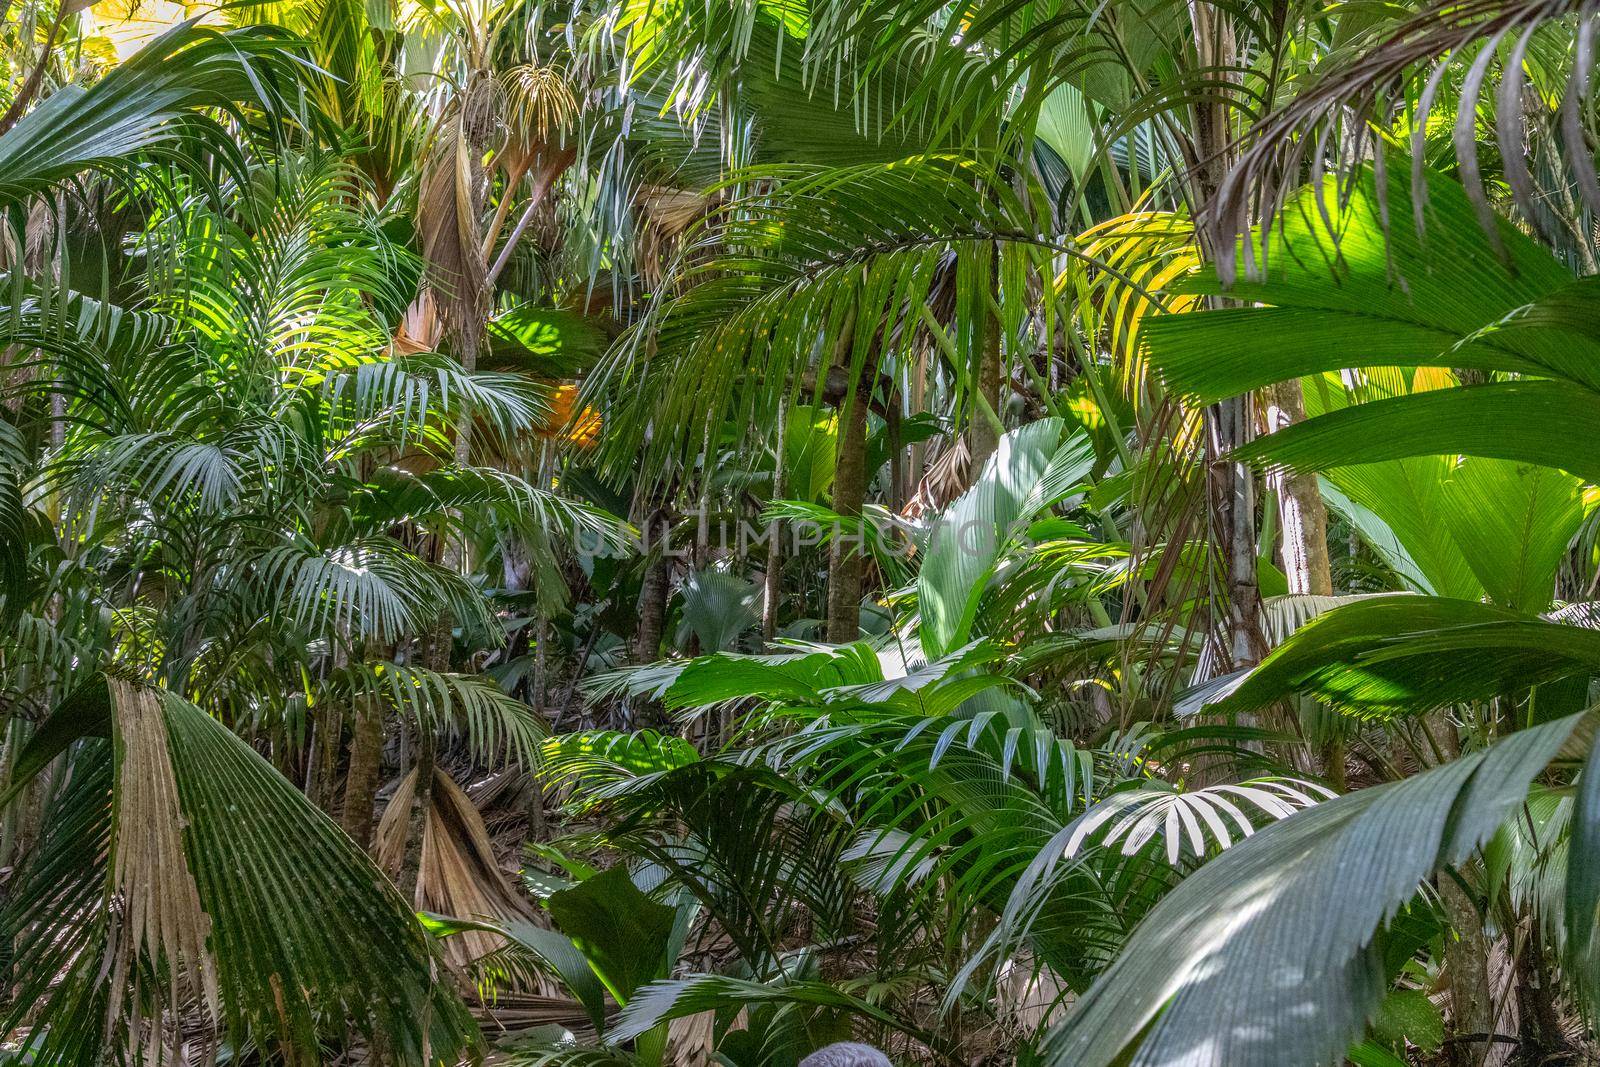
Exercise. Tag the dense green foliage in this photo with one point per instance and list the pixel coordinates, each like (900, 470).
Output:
(667, 532)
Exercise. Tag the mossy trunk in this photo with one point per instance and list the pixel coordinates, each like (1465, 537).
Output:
(983, 431)
(849, 494)
(361, 781)
(1466, 961)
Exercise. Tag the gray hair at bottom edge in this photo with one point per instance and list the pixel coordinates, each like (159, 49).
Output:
(846, 1054)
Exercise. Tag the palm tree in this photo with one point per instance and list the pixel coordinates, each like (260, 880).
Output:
(1183, 649)
(226, 481)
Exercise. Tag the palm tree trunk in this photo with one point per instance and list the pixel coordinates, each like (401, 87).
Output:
(983, 432)
(1228, 424)
(849, 494)
(361, 781)
(1233, 505)
(436, 655)
(1303, 518)
(772, 585)
(653, 591)
(1466, 960)
(417, 820)
(915, 402)
(1301, 512)
(328, 737)
(1539, 1017)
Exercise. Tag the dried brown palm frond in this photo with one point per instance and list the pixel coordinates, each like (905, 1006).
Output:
(161, 916)
(511, 1013)
(665, 214)
(692, 1039)
(458, 874)
(945, 478)
(449, 212)
(173, 901)
(1484, 45)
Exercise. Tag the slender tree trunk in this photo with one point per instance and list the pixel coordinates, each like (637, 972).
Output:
(328, 734)
(541, 665)
(653, 592)
(1301, 512)
(327, 741)
(417, 820)
(1229, 424)
(541, 670)
(1543, 1037)
(983, 432)
(849, 494)
(915, 401)
(518, 571)
(897, 453)
(549, 171)
(436, 656)
(700, 552)
(514, 176)
(772, 586)
(361, 781)
(1466, 959)
(1303, 518)
(1233, 504)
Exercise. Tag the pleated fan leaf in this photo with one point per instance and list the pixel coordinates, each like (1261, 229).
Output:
(196, 875)
(1268, 956)
(304, 927)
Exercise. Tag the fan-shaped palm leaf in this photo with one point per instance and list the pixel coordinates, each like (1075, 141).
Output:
(199, 888)
(1269, 954)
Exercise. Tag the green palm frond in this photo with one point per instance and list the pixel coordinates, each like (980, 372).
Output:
(498, 727)
(1032, 468)
(154, 103)
(1371, 295)
(734, 838)
(1402, 654)
(14, 523)
(371, 587)
(1406, 73)
(183, 875)
(493, 498)
(1271, 953)
(596, 764)
(663, 1001)
(406, 397)
(1189, 820)
(810, 261)
(293, 275)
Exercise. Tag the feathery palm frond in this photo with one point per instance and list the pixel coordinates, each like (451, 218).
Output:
(809, 262)
(1444, 55)
(497, 726)
(154, 103)
(373, 587)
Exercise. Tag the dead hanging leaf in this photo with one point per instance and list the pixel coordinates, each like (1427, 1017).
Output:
(419, 329)
(944, 479)
(665, 215)
(458, 875)
(449, 207)
(161, 918)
